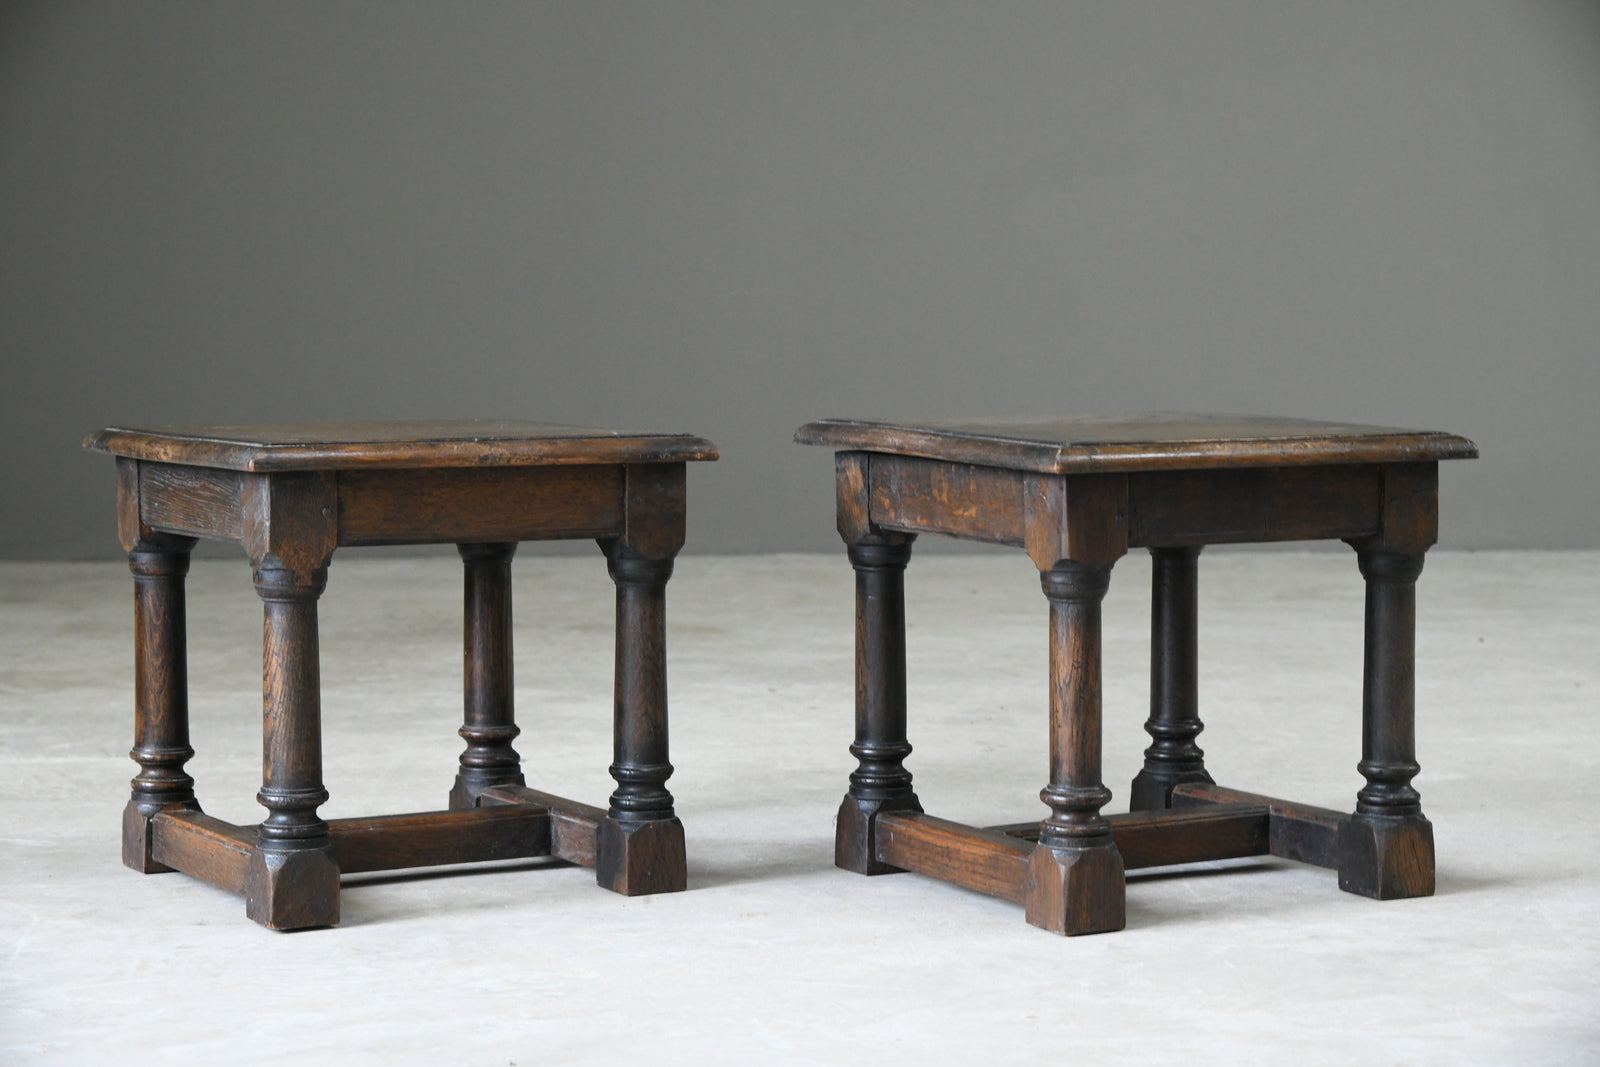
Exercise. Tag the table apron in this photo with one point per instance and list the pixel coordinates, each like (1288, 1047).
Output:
(1163, 508)
(393, 507)
(496, 504)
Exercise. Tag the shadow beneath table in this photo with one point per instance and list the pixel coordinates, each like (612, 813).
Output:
(1449, 883)
(460, 870)
(715, 875)
(1210, 870)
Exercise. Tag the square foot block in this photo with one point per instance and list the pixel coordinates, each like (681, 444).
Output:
(464, 794)
(1151, 792)
(137, 839)
(1076, 891)
(292, 890)
(855, 840)
(1386, 857)
(640, 858)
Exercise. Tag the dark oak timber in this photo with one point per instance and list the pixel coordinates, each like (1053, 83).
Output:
(574, 827)
(880, 782)
(640, 844)
(205, 848)
(490, 718)
(290, 495)
(1161, 839)
(1386, 848)
(1174, 722)
(1075, 494)
(161, 699)
(1298, 832)
(434, 838)
(988, 861)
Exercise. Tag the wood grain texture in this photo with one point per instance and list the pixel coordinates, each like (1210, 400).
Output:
(291, 701)
(1174, 720)
(1410, 515)
(640, 763)
(1301, 832)
(1210, 507)
(573, 826)
(640, 858)
(160, 678)
(488, 675)
(656, 510)
(1389, 690)
(292, 890)
(423, 443)
(1079, 519)
(290, 495)
(290, 521)
(1386, 858)
(1152, 441)
(409, 507)
(852, 473)
(880, 781)
(1075, 494)
(1076, 891)
(191, 500)
(202, 847)
(437, 838)
(1196, 835)
(987, 861)
(1159, 839)
(1075, 793)
(161, 695)
(959, 500)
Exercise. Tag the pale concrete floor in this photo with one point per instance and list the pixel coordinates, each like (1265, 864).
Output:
(773, 955)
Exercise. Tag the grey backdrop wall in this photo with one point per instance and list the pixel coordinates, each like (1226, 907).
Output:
(732, 217)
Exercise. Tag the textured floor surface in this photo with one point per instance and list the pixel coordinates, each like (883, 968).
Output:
(774, 955)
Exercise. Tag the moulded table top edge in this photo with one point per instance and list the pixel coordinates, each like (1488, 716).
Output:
(342, 446)
(1158, 441)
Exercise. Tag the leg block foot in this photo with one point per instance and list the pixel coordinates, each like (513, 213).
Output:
(137, 837)
(465, 793)
(292, 890)
(462, 796)
(855, 841)
(1079, 891)
(1151, 792)
(1386, 857)
(640, 858)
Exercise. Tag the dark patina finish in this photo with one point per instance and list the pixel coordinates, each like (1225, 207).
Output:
(1075, 494)
(291, 495)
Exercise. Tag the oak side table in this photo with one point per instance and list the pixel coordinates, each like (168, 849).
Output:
(1075, 494)
(290, 495)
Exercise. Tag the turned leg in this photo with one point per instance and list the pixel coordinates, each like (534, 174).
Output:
(1174, 721)
(1075, 876)
(1386, 847)
(640, 846)
(489, 724)
(161, 694)
(880, 783)
(292, 880)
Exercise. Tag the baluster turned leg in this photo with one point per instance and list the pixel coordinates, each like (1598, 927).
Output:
(161, 694)
(1174, 721)
(1386, 847)
(293, 877)
(489, 724)
(640, 847)
(1075, 876)
(880, 783)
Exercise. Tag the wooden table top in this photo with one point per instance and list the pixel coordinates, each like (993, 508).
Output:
(1154, 441)
(414, 444)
